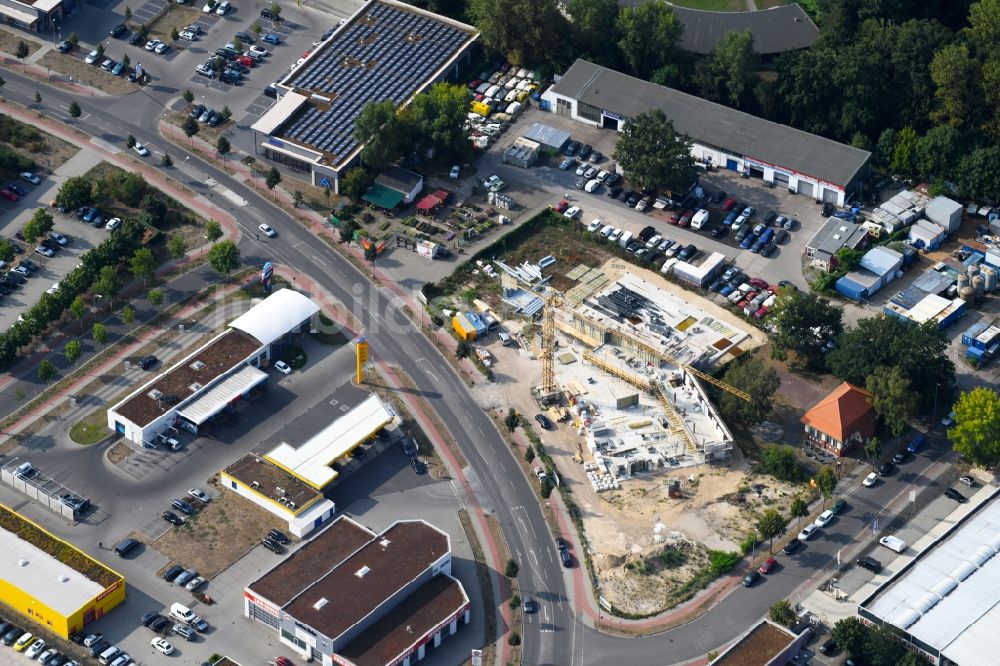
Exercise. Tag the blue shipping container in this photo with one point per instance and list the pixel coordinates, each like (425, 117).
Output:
(848, 288)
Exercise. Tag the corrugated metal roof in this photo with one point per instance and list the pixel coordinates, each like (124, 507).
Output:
(212, 401)
(547, 135)
(714, 124)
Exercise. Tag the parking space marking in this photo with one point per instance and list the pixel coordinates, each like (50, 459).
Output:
(334, 402)
(344, 408)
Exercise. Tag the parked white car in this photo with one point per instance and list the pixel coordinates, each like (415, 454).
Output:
(595, 224)
(824, 518)
(572, 212)
(870, 480)
(807, 532)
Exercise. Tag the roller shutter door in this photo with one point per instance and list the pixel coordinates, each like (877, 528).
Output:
(781, 179)
(805, 187)
(830, 196)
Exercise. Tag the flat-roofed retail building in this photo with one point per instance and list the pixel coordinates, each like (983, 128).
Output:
(50, 582)
(357, 598)
(217, 375)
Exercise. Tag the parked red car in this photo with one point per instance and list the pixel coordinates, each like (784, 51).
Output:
(757, 282)
(768, 566)
(728, 204)
(761, 313)
(674, 218)
(246, 61)
(686, 218)
(561, 206)
(8, 195)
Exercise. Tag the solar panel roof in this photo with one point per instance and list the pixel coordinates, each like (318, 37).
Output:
(387, 50)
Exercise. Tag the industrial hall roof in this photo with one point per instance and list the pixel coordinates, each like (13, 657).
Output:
(785, 28)
(715, 125)
(846, 410)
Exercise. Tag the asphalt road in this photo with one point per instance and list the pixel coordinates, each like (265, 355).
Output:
(554, 636)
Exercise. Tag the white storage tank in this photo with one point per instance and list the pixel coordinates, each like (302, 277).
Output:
(990, 275)
(979, 286)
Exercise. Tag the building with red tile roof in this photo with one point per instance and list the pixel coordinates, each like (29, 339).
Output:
(842, 419)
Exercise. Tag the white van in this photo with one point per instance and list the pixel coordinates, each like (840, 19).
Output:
(699, 219)
(591, 185)
(893, 543)
(109, 654)
(181, 612)
(505, 339)
(625, 239)
(606, 231)
(492, 91)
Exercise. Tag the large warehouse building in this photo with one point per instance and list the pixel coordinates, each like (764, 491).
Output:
(775, 30)
(50, 582)
(946, 601)
(217, 375)
(802, 162)
(386, 50)
(357, 598)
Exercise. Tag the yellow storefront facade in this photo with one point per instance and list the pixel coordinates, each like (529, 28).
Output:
(49, 581)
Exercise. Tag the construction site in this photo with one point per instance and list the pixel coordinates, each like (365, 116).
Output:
(621, 361)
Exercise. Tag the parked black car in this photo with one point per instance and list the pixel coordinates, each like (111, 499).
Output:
(172, 518)
(543, 421)
(951, 493)
(278, 535)
(147, 362)
(791, 546)
(173, 572)
(885, 469)
(272, 545)
(870, 563)
(571, 148)
(183, 507)
(126, 546)
(418, 466)
(118, 30)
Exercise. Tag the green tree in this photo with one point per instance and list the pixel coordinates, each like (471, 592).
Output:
(74, 192)
(22, 51)
(752, 376)
(798, 509)
(73, 351)
(38, 226)
(238, 44)
(190, 127)
(3, 82)
(108, 283)
(730, 75)
(100, 333)
(803, 322)
(437, 119)
(155, 297)
(46, 370)
(222, 147)
(955, 74)
(826, 483)
(176, 246)
(347, 230)
(355, 183)
(128, 316)
(174, 35)
(873, 450)
(7, 251)
(848, 259)
(275, 11)
(976, 431)
(383, 132)
(649, 37)
(653, 154)
(130, 141)
(167, 160)
(73, 39)
(74, 109)
(527, 32)
(272, 180)
(463, 349)
(38, 97)
(849, 633)
(256, 29)
(78, 309)
(188, 96)
(213, 231)
(782, 613)
(511, 569)
(771, 524)
(919, 351)
(904, 154)
(143, 30)
(371, 254)
(780, 462)
(226, 112)
(128, 12)
(224, 257)
(100, 48)
(143, 264)
(297, 198)
(512, 420)
(894, 401)
(595, 29)
(979, 172)
(883, 647)
(937, 152)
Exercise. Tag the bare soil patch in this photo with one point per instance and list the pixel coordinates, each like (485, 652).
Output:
(47, 151)
(223, 531)
(90, 75)
(9, 41)
(174, 18)
(119, 452)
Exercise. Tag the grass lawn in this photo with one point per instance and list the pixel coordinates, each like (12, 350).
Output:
(713, 5)
(768, 4)
(90, 429)
(9, 42)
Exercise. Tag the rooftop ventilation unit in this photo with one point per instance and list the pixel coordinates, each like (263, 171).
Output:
(197, 365)
(195, 387)
(62, 578)
(384, 543)
(320, 604)
(362, 572)
(155, 394)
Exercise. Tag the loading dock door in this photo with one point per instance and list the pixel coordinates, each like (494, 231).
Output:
(781, 179)
(805, 187)
(830, 196)
(756, 173)
(607, 122)
(731, 164)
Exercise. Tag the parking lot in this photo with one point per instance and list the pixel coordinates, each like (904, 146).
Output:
(541, 186)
